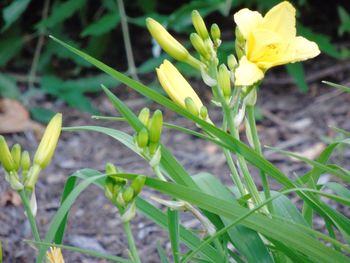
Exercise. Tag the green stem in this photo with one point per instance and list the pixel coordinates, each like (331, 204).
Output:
(127, 42)
(257, 147)
(30, 215)
(131, 241)
(157, 171)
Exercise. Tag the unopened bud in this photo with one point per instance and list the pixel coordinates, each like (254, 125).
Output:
(155, 126)
(142, 138)
(144, 116)
(232, 62)
(49, 142)
(250, 99)
(5, 156)
(224, 81)
(138, 184)
(199, 45)
(16, 155)
(25, 161)
(14, 181)
(215, 34)
(153, 147)
(128, 194)
(191, 106)
(110, 168)
(199, 25)
(239, 44)
(203, 112)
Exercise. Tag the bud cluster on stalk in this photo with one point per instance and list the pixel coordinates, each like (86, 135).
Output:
(15, 160)
(121, 193)
(147, 139)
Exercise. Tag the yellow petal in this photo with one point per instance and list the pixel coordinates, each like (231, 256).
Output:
(247, 20)
(247, 73)
(281, 20)
(175, 85)
(304, 49)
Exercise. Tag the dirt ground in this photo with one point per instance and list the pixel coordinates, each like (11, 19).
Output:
(292, 121)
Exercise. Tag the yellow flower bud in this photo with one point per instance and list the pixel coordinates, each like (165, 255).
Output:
(49, 141)
(215, 32)
(176, 86)
(155, 126)
(142, 138)
(5, 156)
(199, 45)
(16, 155)
(138, 184)
(144, 116)
(55, 255)
(191, 107)
(199, 25)
(169, 43)
(224, 80)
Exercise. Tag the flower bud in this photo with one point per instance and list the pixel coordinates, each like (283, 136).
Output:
(110, 168)
(232, 62)
(5, 156)
(14, 181)
(25, 163)
(175, 85)
(138, 184)
(203, 112)
(215, 34)
(155, 126)
(112, 189)
(16, 155)
(250, 99)
(239, 44)
(142, 138)
(199, 25)
(224, 81)
(49, 141)
(128, 194)
(199, 45)
(169, 43)
(144, 116)
(191, 106)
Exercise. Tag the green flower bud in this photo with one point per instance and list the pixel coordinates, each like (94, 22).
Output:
(203, 112)
(199, 25)
(191, 106)
(48, 142)
(199, 45)
(144, 116)
(239, 44)
(224, 80)
(155, 126)
(16, 155)
(25, 161)
(138, 184)
(6, 157)
(153, 147)
(232, 62)
(110, 168)
(215, 34)
(142, 138)
(128, 194)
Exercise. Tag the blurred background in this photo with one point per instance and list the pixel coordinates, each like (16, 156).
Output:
(38, 77)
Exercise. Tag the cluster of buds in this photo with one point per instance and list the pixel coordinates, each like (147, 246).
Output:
(148, 138)
(15, 160)
(122, 194)
(20, 172)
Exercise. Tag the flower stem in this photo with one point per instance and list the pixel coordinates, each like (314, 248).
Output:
(257, 147)
(131, 241)
(30, 216)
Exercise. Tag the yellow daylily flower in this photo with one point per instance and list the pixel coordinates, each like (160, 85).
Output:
(55, 255)
(176, 86)
(270, 41)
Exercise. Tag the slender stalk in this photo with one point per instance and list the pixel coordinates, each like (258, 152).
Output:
(157, 171)
(30, 215)
(257, 147)
(127, 42)
(131, 241)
